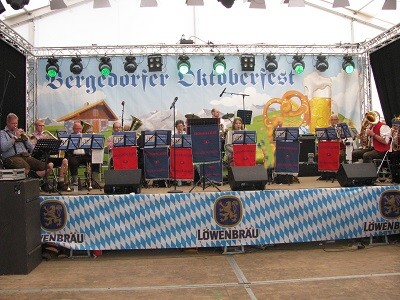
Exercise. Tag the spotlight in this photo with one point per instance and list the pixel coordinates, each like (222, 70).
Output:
(52, 67)
(130, 65)
(101, 3)
(227, 3)
(348, 64)
(105, 66)
(154, 63)
(219, 64)
(271, 64)
(17, 4)
(76, 65)
(298, 64)
(322, 64)
(247, 62)
(57, 4)
(183, 64)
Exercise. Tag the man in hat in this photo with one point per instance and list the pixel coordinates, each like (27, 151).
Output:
(380, 136)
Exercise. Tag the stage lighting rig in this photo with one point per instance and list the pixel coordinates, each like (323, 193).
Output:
(183, 64)
(76, 66)
(18, 4)
(247, 61)
(52, 67)
(154, 62)
(219, 64)
(130, 64)
(271, 64)
(227, 3)
(322, 64)
(348, 64)
(105, 66)
(298, 64)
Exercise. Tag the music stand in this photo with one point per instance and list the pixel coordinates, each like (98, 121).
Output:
(95, 142)
(211, 125)
(344, 130)
(326, 134)
(124, 139)
(245, 115)
(46, 147)
(288, 134)
(244, 137)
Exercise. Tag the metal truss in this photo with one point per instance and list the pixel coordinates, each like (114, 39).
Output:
(383, 39)
(14, 39)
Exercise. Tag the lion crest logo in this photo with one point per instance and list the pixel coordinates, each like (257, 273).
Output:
(228, 211)
(389, 204)
(53, 215)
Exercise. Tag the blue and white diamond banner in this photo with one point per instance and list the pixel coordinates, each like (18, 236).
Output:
(218, 219)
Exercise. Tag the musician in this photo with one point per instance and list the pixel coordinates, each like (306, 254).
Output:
(117, 127)
(61, 163)
(334, 119)
(80, 156)
(180, 127)
(380, 136)
(16, 149)
(237, 124)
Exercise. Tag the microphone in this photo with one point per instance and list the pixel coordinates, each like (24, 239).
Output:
(222, 92)
(123, 103)
(173, 103)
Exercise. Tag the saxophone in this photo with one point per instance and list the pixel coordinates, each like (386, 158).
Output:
(370, 118)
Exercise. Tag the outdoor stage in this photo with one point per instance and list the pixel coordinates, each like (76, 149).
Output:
(312, 210)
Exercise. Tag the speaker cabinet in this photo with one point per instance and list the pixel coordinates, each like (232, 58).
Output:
(358, 174)
(122, 181)
(20, 240)
(247, 178)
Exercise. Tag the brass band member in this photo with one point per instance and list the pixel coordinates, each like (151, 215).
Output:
(117, 127)
(342, 152)
(17, 148)
(79, 157)
(379, 134)
(180, 127)
(237, 124)
(58, 162)
(395, 154)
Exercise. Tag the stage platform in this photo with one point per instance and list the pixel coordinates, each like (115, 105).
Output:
(309, 211)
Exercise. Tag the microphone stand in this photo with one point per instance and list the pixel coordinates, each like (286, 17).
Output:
(174, 190)
(122, 117)
(243, 95)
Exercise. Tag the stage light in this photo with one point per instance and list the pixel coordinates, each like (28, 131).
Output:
(219, 64)
(105, 66)
(322, 64)
(17, 4)
(271, 64)
(348, 64)
(52, 67)
(257, 4)
(57, 4)
(76, 66)
(298, 64)
(183, 64)
(194, 2)
(247, 61)
(297, 3)
(130, 64)
(227, 3)
(154, 63)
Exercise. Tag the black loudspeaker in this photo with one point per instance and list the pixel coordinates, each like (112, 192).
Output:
(246, 178)
(357, 174)
(307, 145)
(122, 181)
(20, 241)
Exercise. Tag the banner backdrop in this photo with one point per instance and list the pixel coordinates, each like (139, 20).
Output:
(281, 97)
(220, 219)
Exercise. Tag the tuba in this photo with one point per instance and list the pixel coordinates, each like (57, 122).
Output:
(136, 123)
(86, 127)
(370, 118)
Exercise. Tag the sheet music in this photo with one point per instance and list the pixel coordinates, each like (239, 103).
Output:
(97, 156)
